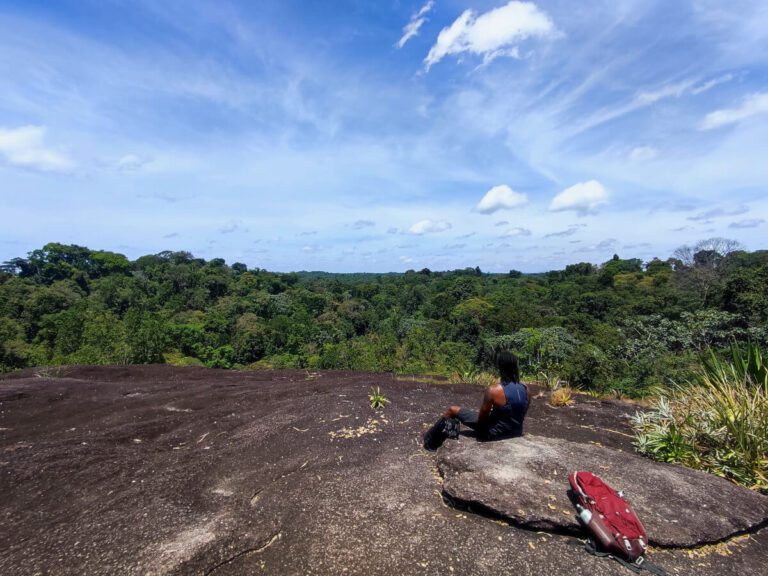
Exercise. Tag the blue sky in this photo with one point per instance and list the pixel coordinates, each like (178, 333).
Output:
(382, 136)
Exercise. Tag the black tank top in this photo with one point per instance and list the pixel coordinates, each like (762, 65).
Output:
(507, 421)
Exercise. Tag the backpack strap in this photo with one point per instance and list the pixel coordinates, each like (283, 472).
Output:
(637, 566)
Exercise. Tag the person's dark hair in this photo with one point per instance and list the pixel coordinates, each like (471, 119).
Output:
(509, 366)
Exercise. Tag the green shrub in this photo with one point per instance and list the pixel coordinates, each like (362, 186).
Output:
(718, 422)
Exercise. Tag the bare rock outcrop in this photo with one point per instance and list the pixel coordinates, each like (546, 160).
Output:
(525, 480)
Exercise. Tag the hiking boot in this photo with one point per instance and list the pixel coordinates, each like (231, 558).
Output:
(435, 436)
(443, 428)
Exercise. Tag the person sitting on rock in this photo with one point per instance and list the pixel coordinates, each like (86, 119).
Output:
(501, 413)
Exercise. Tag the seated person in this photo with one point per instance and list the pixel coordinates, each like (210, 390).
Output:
(502, 411)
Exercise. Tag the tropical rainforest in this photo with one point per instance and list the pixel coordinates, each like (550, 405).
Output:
(624, 325)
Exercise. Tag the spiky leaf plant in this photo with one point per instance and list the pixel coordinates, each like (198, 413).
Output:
(376, 399)
(717, 422)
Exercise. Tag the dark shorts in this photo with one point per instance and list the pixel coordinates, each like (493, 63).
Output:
(484, 431)
(469, 419)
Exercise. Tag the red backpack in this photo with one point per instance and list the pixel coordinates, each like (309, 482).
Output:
(616, 530)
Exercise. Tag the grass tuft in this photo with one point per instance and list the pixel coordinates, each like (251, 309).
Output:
(473, 377)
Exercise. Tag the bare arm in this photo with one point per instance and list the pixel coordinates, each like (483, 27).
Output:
(487, 405)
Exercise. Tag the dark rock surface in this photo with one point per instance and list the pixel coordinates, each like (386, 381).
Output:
(161, 470)
(525, 481)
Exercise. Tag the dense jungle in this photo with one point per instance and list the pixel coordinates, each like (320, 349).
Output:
(624, 326)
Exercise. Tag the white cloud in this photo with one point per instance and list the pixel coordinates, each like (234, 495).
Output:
(492, 34)
(25, 147)
(518, 232)
(643, 154)
(752, 105)
(583, 198)
(312, 248)
(429, 226)
(412, 28)
(500, 198)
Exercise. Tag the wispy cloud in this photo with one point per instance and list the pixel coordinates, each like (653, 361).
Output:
(131, 163)
(516, 232)
(602, 246)
(672, 207)
(492, 34)
(643, 99)
(160, 196)
(25, 147)
(233, 226)
(669, 90)
(752, 223)
(412, 28)
(711, 84)
(360, 224)
(752, 105)
(718, 213)
(583, 198)
(500, 198)
(643, 154)
(569, 232)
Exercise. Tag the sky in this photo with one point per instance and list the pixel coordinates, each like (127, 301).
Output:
(362, 136)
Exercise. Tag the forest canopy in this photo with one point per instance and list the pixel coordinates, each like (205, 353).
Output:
(624, 325)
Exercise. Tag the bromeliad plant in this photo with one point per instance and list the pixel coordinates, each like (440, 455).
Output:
(562, 396)
(376, 399)
(717, 422)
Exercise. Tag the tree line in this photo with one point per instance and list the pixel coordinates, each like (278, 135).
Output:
(625, 325)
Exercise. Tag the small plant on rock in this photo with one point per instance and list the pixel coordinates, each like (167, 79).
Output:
(376, 399)
(562, 396)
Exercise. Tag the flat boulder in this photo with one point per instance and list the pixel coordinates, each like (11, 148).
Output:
(525, 481)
